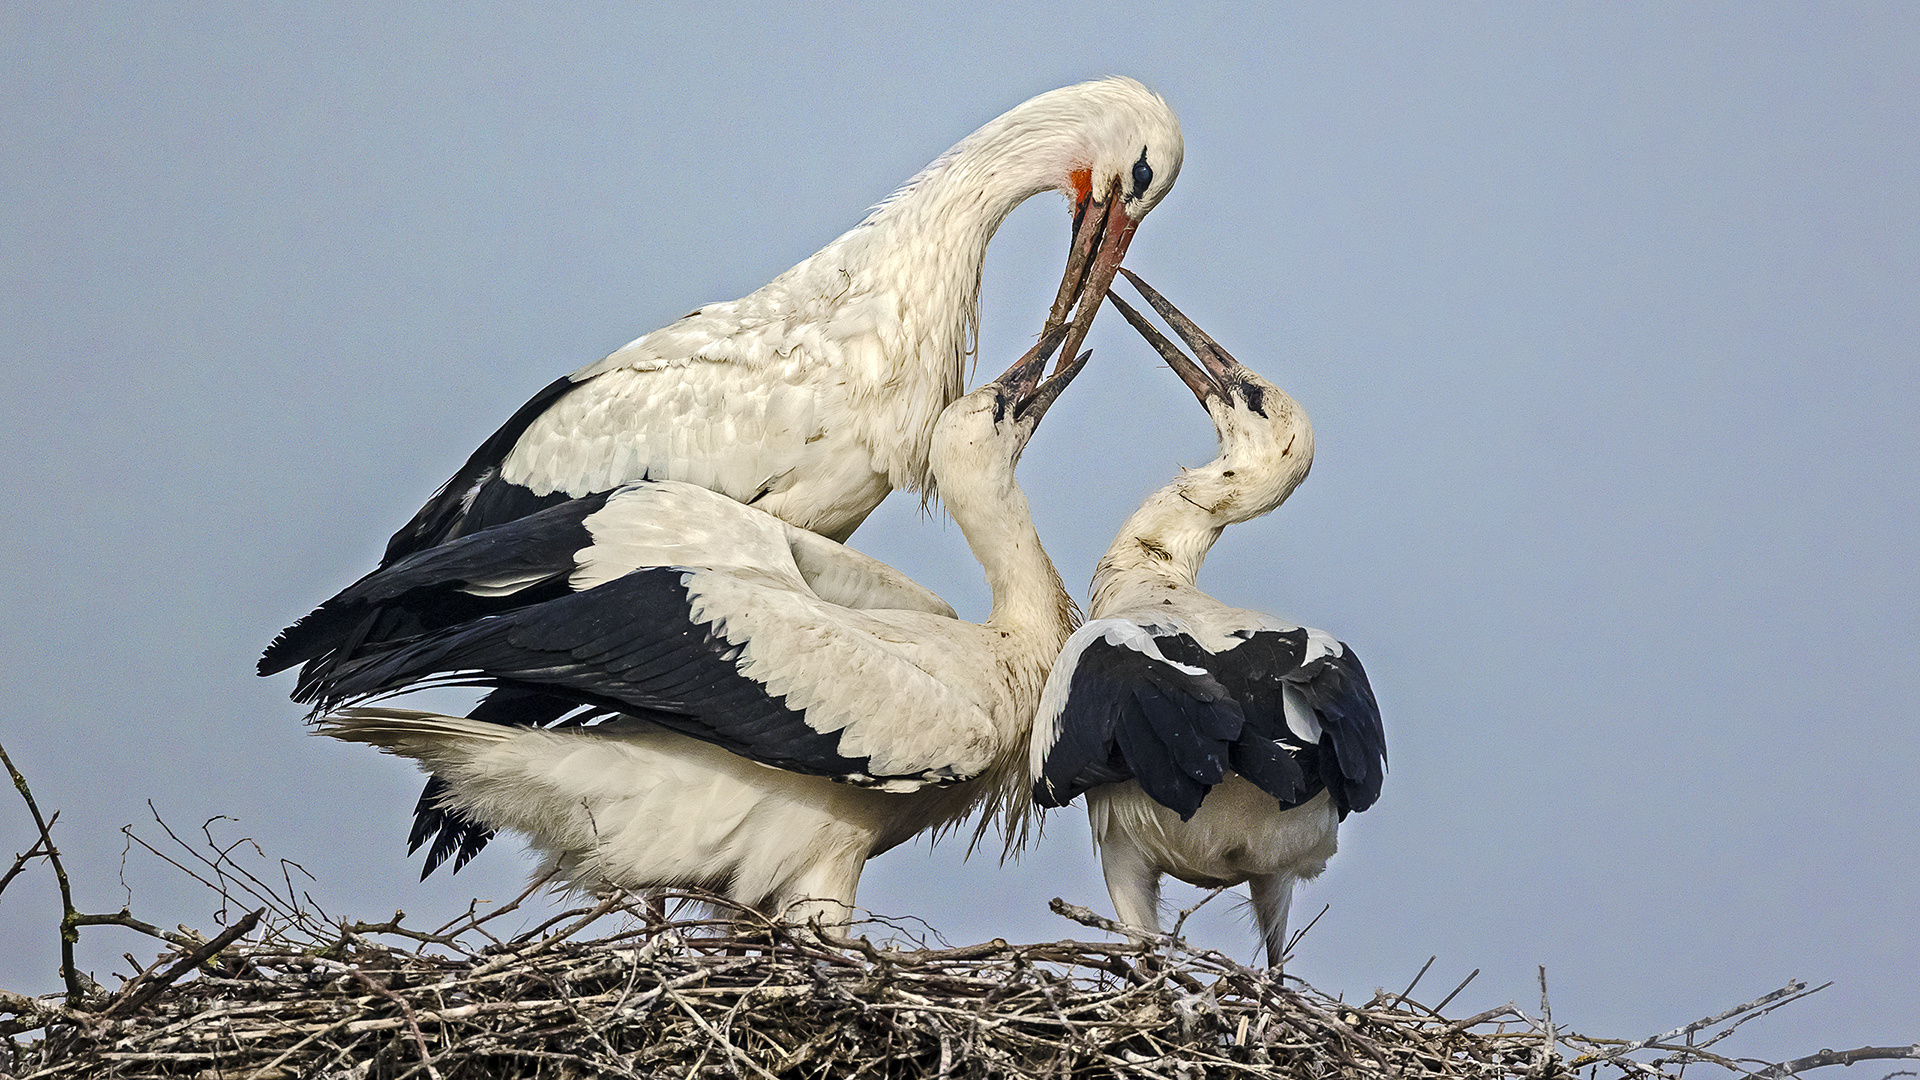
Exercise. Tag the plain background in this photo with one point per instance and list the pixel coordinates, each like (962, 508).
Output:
(1605, 315)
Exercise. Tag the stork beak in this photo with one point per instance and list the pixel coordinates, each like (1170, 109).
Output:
(1101, 233)
(1215, 370)
(1031, 394)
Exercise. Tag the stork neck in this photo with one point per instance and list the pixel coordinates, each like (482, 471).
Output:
(927, 243)
(1163, 543)
(1028, 596)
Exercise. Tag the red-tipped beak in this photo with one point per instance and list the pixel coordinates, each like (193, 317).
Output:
(1101, 233)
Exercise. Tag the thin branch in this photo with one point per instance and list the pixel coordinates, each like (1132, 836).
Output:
(1180, 922)
(1841, 1057)
(69, 931)
(37, 851)
(1471, 975)
(127, 1006)
(1311, 923)
(1547, 1040)
(1790, 990)
(125, 918)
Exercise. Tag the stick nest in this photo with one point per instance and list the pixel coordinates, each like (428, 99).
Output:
(616, 990)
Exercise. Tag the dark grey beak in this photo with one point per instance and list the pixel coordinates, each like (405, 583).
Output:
(1212, 370)
(1032, 394)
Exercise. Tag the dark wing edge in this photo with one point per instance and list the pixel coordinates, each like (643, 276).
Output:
(447, 585)
(629, 646)
(1131, 711)
(472, 500)
(475, 497)
(1351, 728)
(1151, 704)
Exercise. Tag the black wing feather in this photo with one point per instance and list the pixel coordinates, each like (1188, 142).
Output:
(1350, 760)
(629, 645)
(426, 591)
(475, 497)
(1353, 743)
(473, 500)
(1129, 715)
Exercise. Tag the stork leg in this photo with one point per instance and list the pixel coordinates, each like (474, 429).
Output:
(823, 894)
(1132, 882)
(1272, 898)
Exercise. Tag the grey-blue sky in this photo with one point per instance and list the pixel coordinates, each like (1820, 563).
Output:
(1606, 317)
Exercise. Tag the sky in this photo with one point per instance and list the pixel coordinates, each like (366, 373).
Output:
(1605, 315)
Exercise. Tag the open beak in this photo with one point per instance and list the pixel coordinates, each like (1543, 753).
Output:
(1030, 393)
(1101, 233)
(1211, 372)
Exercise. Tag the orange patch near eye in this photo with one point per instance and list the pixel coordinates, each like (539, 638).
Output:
(1082, 180)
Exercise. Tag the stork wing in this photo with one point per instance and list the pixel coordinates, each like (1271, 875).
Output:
(574, 545)
(691, 610)
(441, 586)
(690, 401)
(1286, 707)
(476, 497)
(717, 399)
(757, 668)
(840, 575)
(1117, 706)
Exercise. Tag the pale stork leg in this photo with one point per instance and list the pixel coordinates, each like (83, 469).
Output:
(823, 894)
(1133, 884)
(1272, 897)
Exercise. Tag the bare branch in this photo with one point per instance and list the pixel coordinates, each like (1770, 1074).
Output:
(37, 851)
(1841, 1057)
(132, 999)
(69, 931)
(1790, 990)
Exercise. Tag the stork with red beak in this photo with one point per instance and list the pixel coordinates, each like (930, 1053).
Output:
(811, 398)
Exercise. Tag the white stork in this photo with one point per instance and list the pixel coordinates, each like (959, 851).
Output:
(811, 398)
(815, 396)
(783, 708)
(1214, 744)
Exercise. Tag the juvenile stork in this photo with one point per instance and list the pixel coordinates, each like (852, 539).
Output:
(782, 707)
(815, 396)
(1214, 744)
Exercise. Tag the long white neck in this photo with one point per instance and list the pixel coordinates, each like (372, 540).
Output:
(1162, 545)
(909, 276)
(1031, 618)
(1031, 605)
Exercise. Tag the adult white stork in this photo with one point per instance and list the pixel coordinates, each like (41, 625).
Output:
(816, 395)
(1215, 744)
(810, 398)
(783, 708)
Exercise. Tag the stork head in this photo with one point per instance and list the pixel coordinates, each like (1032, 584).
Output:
(1266, 441)
(1122, 153)
(982, 434)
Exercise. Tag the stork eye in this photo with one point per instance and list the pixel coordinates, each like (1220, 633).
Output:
(1142, 175)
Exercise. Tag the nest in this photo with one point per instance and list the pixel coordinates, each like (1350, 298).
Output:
(621, 989)
(618, 990)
